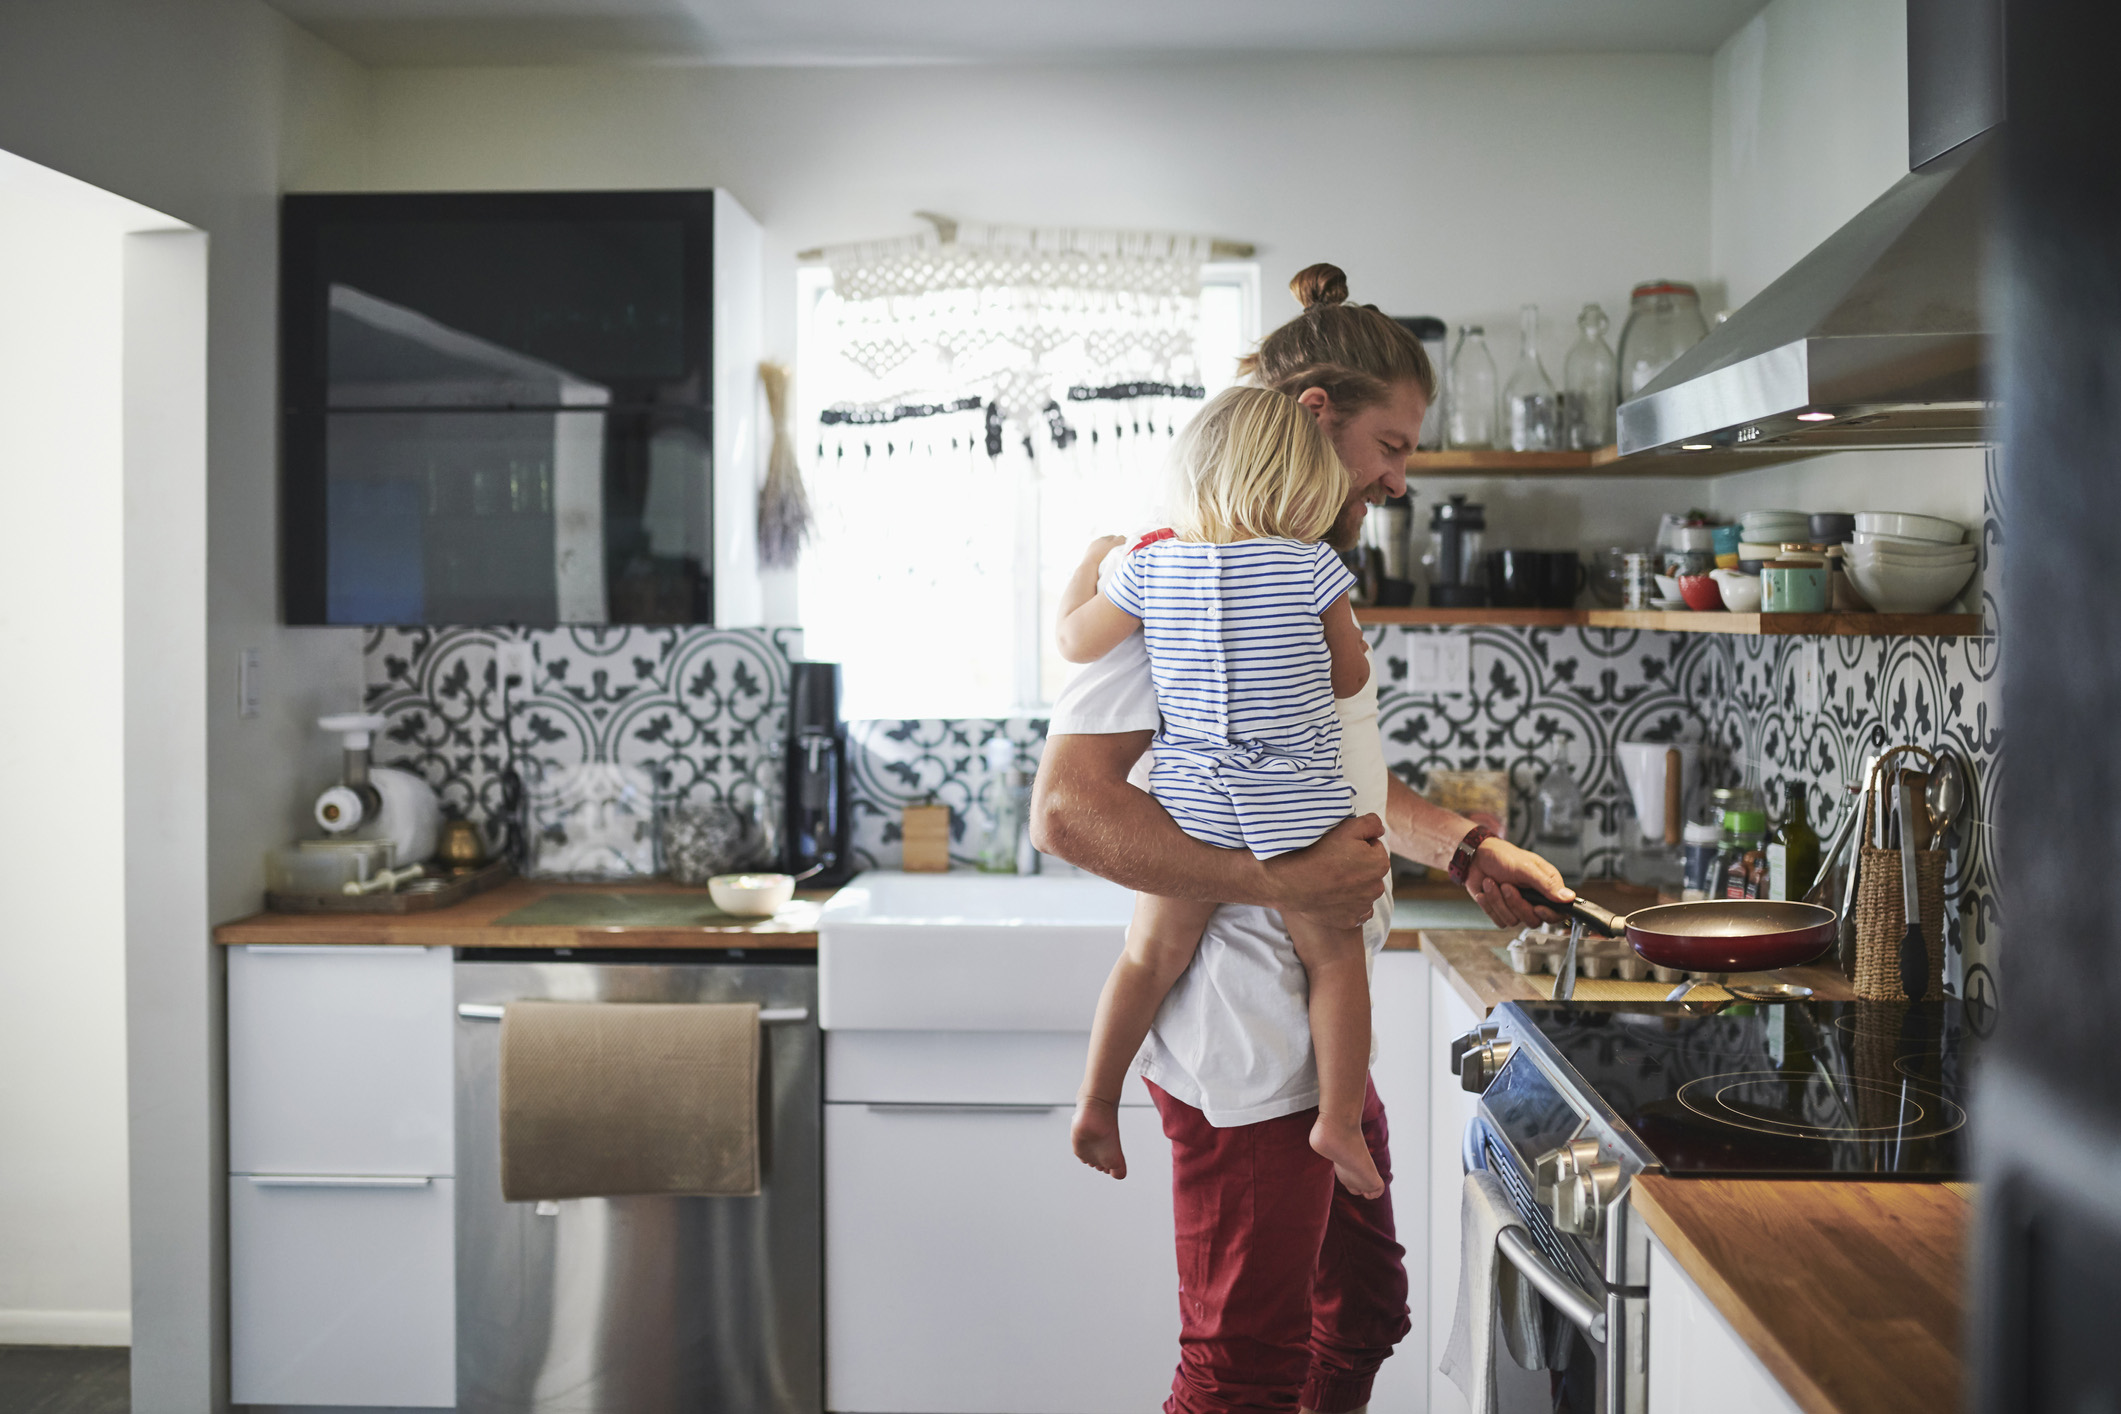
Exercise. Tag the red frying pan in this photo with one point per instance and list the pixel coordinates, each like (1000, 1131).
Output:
(1713, 935)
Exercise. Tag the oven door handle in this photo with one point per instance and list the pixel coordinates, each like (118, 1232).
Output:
(1583, 1310)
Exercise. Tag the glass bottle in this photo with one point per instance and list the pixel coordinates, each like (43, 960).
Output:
(1529, 405)
(1590, 378)
(1664, 321)
(1005, 804)
(1557, 820)
(1793, 857)
(1741, 856)
(1469, 403)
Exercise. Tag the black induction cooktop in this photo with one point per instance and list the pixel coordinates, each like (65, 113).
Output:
(1807, 1089)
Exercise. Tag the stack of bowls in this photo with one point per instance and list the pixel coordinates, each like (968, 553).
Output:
(1773, 527)
(1909, 564)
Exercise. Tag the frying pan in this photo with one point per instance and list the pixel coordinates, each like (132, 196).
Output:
(1713, 935)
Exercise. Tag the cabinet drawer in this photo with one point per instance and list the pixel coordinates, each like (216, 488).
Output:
(966, 1067)
(972, 1265)
(342, 1295)
(341, 1060)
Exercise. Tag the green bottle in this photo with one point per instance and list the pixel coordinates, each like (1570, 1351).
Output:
(1793, 856)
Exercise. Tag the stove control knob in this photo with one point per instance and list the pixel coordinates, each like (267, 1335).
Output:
(1557, 1166)
(1485, 1031)
(1482, 1063)
(1581, 1199)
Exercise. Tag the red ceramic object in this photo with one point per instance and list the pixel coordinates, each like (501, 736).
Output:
(1701, 592)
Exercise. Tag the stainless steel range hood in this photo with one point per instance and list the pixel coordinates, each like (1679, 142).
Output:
(1876, 338)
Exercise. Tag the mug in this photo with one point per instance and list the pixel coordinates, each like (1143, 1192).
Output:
(1788, 588)
(1514, 578)
(1562, 577)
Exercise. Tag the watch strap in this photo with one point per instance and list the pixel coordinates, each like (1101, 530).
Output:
(1461, 865)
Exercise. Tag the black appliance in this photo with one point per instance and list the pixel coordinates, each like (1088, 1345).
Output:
(818, 823)
(508, 408)
(1577, 1099)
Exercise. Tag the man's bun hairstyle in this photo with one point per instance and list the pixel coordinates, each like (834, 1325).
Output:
(1350, 350)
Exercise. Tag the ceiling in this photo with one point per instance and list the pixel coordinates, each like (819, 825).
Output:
(514, 32)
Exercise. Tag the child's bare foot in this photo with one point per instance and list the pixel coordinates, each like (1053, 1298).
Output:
(1352, 1164)
(1095, 1135)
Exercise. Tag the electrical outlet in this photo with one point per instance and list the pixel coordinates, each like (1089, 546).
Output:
(248, 692)
(514, 660)
(1439, 663)
(1811, 679)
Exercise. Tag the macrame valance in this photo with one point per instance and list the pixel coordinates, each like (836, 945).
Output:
(1014, 324)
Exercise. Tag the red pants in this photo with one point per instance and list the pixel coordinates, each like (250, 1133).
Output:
(1291, 1290)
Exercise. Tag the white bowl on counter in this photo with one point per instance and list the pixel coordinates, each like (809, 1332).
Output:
(751, 895)
(1897, 588)
(1911, 548)
(1933, 529)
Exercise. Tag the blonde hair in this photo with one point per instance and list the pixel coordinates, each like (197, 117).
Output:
(1253, 463)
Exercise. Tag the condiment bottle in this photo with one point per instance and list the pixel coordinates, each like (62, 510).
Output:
(1793, 857)
(1744, 863)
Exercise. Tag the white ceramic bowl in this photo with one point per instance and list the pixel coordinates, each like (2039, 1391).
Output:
(1899, 555)
(1667, 586)
(1934, 529)
(1908, 589)
(1906, 545)
(1675, 605)
(1741, 592)
(751, 895)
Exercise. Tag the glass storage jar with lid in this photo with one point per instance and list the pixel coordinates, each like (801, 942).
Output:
(1664, 321)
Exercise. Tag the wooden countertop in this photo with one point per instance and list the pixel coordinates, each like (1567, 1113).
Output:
(471, 924)
(1852, 1294)
(1466, 958)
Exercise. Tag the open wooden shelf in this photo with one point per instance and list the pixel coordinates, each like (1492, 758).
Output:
(1606, 461)
(1509, 463)
(1687, 621)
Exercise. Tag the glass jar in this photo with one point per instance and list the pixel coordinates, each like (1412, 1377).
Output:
(1456, 531)
(1664, 321)
(1469, 401)
(1741, 862)
(1557, 820)
(1530, 408)
(1590, 382)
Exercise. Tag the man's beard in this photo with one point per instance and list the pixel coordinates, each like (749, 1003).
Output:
(1346, 533)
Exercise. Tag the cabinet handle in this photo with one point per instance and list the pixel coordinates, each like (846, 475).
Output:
(338, 1180)
(903, 1107)
(768, 1016)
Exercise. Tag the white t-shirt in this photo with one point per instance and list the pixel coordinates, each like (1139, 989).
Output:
(1233, 1038)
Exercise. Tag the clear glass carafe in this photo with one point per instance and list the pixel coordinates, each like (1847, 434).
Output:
(1590, 380)
(1469, 399)
(1557, 821)
(1664, 321)
(1532, 410)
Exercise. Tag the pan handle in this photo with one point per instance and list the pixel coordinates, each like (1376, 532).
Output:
(1583, 910)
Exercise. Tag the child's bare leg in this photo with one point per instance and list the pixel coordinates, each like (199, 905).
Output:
(1337, 966)
(1161, 940)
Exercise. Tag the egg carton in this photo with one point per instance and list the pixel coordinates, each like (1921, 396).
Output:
(1542, 949)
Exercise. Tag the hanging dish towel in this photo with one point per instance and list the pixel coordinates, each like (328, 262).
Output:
(606, 1099)
(1490, 1288)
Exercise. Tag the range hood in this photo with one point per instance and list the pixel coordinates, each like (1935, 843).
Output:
(1876, 338)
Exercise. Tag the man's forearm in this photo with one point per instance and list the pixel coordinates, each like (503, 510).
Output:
(1084, 811)
(1418, 829)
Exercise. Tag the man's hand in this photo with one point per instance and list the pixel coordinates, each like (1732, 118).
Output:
(1498, 867)
(1339, 877)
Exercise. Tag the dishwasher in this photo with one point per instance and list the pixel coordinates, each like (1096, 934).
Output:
(642, 1305)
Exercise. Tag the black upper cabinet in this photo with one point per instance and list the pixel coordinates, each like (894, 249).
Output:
(502, 408)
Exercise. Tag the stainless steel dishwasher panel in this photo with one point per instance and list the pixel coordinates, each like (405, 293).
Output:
(642, 1305)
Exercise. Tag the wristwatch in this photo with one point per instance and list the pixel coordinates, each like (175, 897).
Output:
(1468, 849)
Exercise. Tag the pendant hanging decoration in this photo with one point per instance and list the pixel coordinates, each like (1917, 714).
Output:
(1023, 330)
(784, 504)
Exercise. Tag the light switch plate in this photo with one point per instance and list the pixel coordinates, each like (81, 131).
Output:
(1810, 668)
(513, 659)
(1439, 663)
(249, 695)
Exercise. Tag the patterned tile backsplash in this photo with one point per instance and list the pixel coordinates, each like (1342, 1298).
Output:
(705, 711)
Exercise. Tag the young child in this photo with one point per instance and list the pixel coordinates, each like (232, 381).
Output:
(1250, 637)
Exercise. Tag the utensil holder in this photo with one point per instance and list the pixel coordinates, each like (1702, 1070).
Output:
(1881, 911)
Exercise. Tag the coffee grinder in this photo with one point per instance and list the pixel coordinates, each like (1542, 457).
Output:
(817, 834)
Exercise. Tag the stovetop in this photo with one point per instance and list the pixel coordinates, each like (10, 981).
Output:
(1808, 1089)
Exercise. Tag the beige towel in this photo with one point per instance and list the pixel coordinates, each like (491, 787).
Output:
(603, 1099)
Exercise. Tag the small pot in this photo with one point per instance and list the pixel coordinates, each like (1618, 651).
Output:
(1790, 588)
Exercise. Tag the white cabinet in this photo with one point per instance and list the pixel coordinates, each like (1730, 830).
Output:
(342, 1293)
(970, 1263)
(341, 1215)
(1449, 1109)
(1697, 1361)
(1399, 996)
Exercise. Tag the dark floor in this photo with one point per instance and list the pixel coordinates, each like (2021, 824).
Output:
(65, 1379)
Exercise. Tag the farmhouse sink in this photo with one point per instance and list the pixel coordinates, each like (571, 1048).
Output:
(967, 952)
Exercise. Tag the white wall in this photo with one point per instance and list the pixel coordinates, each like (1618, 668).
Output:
(181, 105)
(1458, 187)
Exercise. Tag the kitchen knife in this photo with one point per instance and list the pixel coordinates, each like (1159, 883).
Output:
(1914, 953)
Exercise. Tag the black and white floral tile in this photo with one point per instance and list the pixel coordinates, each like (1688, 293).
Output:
(704, 710)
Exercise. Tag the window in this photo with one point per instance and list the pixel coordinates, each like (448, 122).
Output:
(934, 570)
